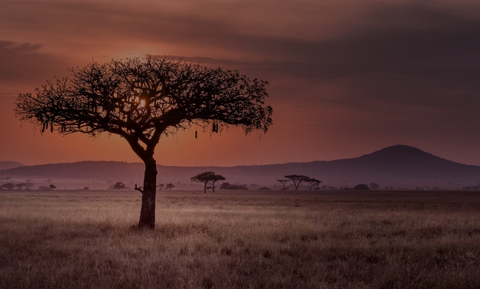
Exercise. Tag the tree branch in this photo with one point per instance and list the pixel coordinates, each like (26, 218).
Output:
(140, 189)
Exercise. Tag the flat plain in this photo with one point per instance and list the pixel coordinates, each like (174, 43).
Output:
(241, 239)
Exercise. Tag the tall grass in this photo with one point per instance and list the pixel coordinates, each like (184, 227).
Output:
(241, 240)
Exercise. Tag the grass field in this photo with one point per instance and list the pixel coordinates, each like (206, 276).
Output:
(250, 239)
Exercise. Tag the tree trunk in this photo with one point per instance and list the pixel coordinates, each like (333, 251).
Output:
(147, 214)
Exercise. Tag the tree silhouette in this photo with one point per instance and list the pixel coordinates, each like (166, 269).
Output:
(118, 186)
(170, 186)
(7, 186)
(208, 179)
(374, 186)
(297, 179)
(362, 187)
(313, 182)
(284, 183)
(225, 186)
(143, 99)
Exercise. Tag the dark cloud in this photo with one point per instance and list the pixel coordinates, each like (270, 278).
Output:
(22, 63)
(405, 47)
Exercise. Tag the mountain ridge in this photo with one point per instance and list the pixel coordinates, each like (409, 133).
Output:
(5, 165)
(399, 164)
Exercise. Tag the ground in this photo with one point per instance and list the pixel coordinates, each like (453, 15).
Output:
(246, 239)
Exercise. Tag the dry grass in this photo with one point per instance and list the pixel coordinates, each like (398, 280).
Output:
(241, 240)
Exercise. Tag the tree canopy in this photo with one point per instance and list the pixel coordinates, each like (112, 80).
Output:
(284, 183)
(142, 99)
(313, 183)
(297, 179)
(118, 186)
(208, 179)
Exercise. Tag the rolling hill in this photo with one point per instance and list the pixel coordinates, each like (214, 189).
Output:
(5, 165)
(397, 166)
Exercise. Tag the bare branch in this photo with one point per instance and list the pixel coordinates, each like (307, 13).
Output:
(142, 99)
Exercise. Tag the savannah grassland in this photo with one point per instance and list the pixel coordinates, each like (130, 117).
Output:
(248, 239)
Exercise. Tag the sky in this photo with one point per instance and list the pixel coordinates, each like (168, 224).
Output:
(346, 77)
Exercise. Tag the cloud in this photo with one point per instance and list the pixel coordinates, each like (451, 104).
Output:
(23, 63)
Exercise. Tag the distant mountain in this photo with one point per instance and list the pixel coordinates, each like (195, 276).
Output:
(5, 165)
(397, 166)
(78, 170)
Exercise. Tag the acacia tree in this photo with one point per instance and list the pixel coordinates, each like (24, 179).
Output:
(225, 186)
(297, 179)
(143, 99)
(284, 183)
(208, 179)
(313, 183)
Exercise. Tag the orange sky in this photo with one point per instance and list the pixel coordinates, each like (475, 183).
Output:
(346, 77)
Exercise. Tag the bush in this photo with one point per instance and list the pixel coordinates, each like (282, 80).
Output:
(118, 186)
(361, 187)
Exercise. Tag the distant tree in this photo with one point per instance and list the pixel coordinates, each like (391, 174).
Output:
(144, 99)
(86, 188)
(117, 186)
(225, 186)
(374, 186)
(28, 185)
(361, 187)
(297, 180)
(208, 179)
(7, 186)
(170, 186)
(44, 188)
(236, 187)
(313, 183)
(24, 186)
(160, 186)
(52, 187)
(284, 183)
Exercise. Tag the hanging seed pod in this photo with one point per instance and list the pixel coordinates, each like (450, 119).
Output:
(51, 127)
(195, 134)
(43, 127)
(213, 127)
